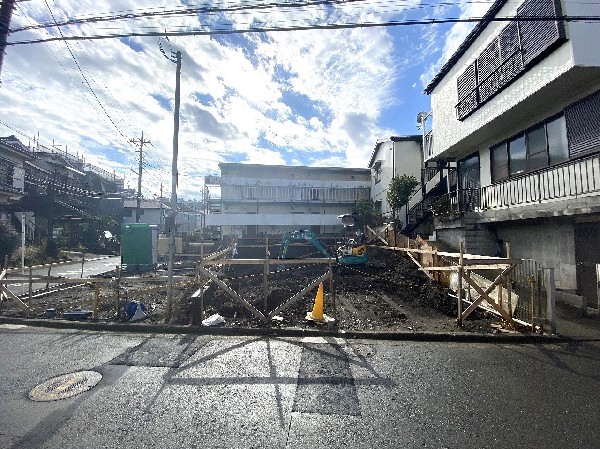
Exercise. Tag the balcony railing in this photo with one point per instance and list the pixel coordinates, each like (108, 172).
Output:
(571, 179)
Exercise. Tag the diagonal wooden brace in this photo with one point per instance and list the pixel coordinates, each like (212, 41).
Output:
(298, 295)
(6, 292)
(236, 297)
(484, 294)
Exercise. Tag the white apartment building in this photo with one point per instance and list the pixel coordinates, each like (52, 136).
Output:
(272, 199)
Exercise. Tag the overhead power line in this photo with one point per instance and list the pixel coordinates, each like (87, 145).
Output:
(259, 29)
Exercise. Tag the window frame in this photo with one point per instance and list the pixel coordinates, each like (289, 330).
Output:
(525, 135)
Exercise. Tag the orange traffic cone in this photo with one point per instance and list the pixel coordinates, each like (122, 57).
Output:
(317, 311)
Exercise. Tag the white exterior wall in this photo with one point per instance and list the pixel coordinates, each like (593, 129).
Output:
(458, 136)
(397, 159)
(148, 216)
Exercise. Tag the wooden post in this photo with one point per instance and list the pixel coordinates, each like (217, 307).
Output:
(82, 263)
(266, 274)
(332, 293)
(532, 282)
(30, 285)
(202, 313)
(551, 299)
(118, 304)
(507, 281)
(96, 301)
(460, 277)
(598, 286)
(500, 299)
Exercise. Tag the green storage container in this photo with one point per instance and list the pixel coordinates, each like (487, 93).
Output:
(137, 247)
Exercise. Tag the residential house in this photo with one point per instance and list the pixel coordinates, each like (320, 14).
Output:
(272, 199)
(13, 158)
(396, 156)
(517, 110)
(151, 212)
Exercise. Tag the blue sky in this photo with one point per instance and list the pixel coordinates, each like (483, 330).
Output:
(318, 97)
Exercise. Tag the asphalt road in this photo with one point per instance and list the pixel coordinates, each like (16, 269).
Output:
(72, 270)
(188, 392)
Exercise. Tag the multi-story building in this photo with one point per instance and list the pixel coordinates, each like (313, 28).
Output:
(517, 108)
(272, 199)
(13, 156)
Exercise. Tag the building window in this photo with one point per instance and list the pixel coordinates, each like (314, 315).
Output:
(469, 171)
(537, 148)
(517, 155)
(314, 194)
(541, 146)
(377, 172)
(499, 155)
(519, 46)
(558, 147)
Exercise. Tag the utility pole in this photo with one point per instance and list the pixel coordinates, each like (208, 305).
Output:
(6, 10)
(174, 173)
(174, 57)
(139, 189)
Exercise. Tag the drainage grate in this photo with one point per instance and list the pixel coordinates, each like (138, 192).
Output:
(65, 386)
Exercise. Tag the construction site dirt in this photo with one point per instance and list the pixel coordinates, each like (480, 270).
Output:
(387, 294)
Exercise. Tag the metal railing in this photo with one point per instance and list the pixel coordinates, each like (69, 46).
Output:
(568, 180)
(528, 281)
(87, 167)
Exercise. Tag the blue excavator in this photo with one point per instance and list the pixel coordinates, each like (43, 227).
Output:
(352, 251)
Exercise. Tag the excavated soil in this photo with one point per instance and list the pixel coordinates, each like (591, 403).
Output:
(388, 294)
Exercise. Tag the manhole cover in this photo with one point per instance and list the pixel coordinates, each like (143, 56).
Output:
(65, 386)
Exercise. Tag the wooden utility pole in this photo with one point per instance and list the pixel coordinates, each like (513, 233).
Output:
(6, 10)
(141, 166)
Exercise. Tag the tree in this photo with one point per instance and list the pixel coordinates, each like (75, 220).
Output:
(400, 190)
(367, 211)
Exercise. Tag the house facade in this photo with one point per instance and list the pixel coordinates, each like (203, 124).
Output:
(13, 156)
(396, 156)
(517, 111)
(272, 199)
(151, 212)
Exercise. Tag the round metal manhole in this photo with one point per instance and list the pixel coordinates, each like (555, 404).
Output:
(65, 386)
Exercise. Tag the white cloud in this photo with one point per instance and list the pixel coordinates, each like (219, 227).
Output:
(310, 97)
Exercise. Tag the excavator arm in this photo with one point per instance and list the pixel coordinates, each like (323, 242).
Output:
(302, 234)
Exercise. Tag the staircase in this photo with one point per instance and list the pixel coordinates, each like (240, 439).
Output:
(435, 183)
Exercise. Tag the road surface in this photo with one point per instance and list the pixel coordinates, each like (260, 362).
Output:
(217, 392)
(91, 267)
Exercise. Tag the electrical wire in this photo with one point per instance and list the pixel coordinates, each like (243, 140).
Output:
(329, 26)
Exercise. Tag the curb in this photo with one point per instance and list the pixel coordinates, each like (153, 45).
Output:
(458, 337)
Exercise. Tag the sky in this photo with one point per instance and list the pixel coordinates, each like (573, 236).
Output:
(320, 97)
